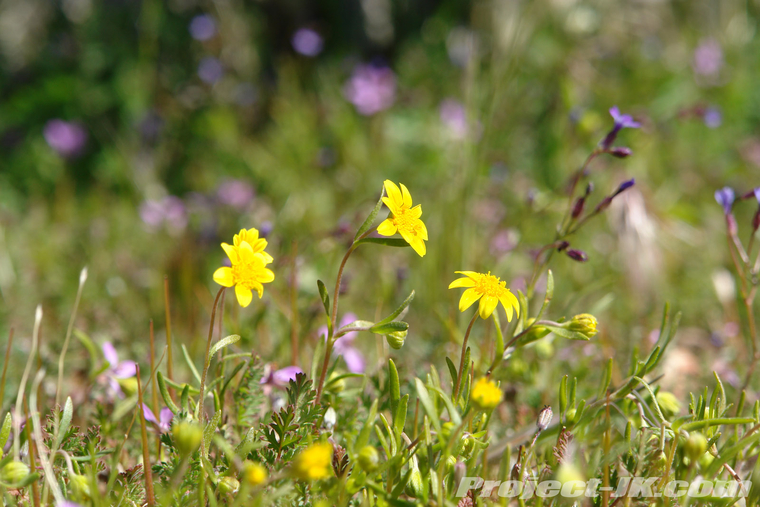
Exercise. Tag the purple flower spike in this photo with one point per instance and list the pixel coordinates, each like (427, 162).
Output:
(621, 121)
(725, 197)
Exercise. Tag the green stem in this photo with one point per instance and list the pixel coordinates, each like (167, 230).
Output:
(461, 359)
(206, 360)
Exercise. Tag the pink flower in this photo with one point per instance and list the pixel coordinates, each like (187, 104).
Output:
(371, 89)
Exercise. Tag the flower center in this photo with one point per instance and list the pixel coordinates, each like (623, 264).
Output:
(490, 285)
(404, 220)
(246, 275)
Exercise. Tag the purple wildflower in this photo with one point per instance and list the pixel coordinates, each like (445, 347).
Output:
(164, 420)
(371, 89)
(454, 117)
(708, 58)
(621, 121)
(202, 27)
(278, 378)
(117, 369)
(344, 346)
(68, 139)
(210, 70)
(235, 193)
(307, 42)
(712, 117)
(725, 197)
(169, 211)
(625, 186)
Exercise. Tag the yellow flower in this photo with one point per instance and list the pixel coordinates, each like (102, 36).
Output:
(486, 395)
(248, 271)
(404, 218)
(314, 462)
(489, 289)
(254, 473)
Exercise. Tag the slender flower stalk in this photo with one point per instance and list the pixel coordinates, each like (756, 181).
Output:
(5, 365)
(169, 361)
(147, 468)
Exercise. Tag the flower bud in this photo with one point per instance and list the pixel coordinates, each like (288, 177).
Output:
(756, 220)
(620, 152)
(486, 394)
(254, 474)
(187, 437)
(328, 422)
(544, 418)
(14, 472)
(583, 323)
(624, 186)
(460, 469)
(535, 333)
(577, 255)
(562, 245)
(368, 459)
(80, 487)
(128, 385)
(578, 207)
(668, 403)
(396, 339)
(228, 485)
(336, 386)
(695, 446)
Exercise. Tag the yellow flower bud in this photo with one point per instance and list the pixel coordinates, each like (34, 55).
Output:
(228, 485)
(368, 459)
(187, 437)
(668, 403)
(396, 339)
(314, 462)
(695, 446)
(14, 472)
(486, 395)
(583, 323)
(80, 486)
(254, 474)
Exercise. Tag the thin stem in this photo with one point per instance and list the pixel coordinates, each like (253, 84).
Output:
(62, 357)
(147, 471)
(169, 362)
(32, 458)
(22, 386)
(153, 390)
(334, 317)
(294, 305)
(206, 360)
(461, 359)
(5, 366)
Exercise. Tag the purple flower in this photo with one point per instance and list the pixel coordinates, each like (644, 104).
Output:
(577, 255)
(708, 58)
(279, 378)
(235, 193)
(164, 421)
(757, 194)
(624, 186)
(169, 211)
(307, 42)
(504, 241)
(117, 369)
(344, 346)
(68, 139)
(725, 197)
(210, 70)
(454, 117)
(371, 89)
(202, 27)
(712, 117)
(621, 121)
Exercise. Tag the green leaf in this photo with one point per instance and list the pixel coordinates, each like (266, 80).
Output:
(399, 416)
(398, 310)
(179, 387)
(371, 218)
(427, 404)
(363, 437)
(606, 379)
(658, 412)
(389, 327)
(395, 242)
(224, 342)
(463, 374)
(63, 427)
(190, 364)
(357, 325)
(565, 333)
(165, 394)
(184, 398)
(453, 412)
(394, 386)
(209, 431)
(325, 298)
(562, 398)
(523, 307)
(5, 430)
(452, 369)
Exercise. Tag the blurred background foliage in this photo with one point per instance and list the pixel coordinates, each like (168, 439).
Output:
(135, 136)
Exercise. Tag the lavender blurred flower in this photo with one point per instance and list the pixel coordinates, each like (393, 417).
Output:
(68, 139)
(621, 121)
(712, 117)
(169, 211)
(235, 193)
(503, 242)
(725, 197)
(278, 378)
(371, 89)
(708, 58)
(454, 117)
(117, 370)
(210, 70)
(307, 42)
(67, 503)
(163, 422)
(344, 346)
(202, 27)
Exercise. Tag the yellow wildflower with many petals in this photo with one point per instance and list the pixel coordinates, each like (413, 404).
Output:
(404, 218)
(248, 271)
(490, 290)
(314, 462)
(486, 394)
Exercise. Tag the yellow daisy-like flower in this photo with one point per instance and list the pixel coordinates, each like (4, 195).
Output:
(486, 395)
(248, 271)
(314, 462)
(404, 218)
(489, 289)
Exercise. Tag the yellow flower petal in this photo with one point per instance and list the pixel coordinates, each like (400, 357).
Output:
(387, 228)
(265, 257)
(244, 296)
(474, 275)
(468, 298)
(223, 276)
(487, 306)
(462, 282)
(422, 230)
(246, 253)
(416, 212)
(418, 245)
(259, 288)
(510, 301)
(394, 193)
(406, 196)
(258, 245)
(391, 205)
(266, 276)
(231, 253)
